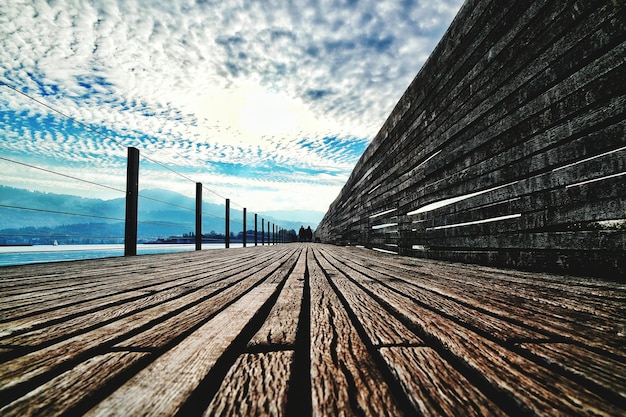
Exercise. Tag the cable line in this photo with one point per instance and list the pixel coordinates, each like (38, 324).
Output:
(186, 226)
(62, 175)
(60, 235)
(214, 192)
(103, 135)
(86, 126)
(213, 215)
(62, 212)
(165, 202)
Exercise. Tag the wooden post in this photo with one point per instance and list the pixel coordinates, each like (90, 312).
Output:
(245, 232)
(273, 233)
(198, 216)
(227, 237)
(132, 198)
(262, 231)
(255, 229)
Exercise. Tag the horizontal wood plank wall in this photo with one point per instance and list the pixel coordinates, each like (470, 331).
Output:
(508, 147)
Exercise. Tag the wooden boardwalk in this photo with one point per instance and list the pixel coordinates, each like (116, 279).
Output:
(306, 330)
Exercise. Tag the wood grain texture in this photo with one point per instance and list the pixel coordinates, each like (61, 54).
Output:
(256, 385)
(434, 386)
(280, 327)
(519, 114)
(581, 361)
(344, 376)
(381, 327)
(63, 393)
(373, 333)
(170, 380)
(523, 383)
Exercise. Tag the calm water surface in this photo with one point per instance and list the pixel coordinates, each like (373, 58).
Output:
(20, 255)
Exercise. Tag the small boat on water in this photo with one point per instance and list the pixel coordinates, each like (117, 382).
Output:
(55, 243)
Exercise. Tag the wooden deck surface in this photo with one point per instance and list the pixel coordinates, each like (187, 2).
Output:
(306, 330)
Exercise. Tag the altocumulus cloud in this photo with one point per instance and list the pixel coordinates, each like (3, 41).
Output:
(256, 99)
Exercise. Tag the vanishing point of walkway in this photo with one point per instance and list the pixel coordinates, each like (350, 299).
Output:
(306, 330)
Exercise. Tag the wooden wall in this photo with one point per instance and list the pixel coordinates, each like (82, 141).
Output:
(514, 127)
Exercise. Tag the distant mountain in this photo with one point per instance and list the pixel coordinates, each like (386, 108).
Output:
(23, 208)
(162, 213)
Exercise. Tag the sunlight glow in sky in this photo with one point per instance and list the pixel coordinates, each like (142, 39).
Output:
(269, 103)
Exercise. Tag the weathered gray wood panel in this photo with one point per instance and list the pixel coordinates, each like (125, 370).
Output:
(507, 148)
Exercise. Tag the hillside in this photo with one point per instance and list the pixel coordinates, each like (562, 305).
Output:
(34, 217)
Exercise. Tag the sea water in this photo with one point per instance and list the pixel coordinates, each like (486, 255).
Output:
(21, 255)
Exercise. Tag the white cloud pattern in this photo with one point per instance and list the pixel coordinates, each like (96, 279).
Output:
(271, 101)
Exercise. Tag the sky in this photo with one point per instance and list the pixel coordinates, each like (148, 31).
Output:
(269, 103)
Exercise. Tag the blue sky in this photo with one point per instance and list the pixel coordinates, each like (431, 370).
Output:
(269, 103)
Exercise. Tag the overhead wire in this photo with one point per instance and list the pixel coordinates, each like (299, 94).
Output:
(86, 126)
(166, 202)
(61, 212)
(63, 235)
(166, 224)
(98, 132)
(49, 107)
(61, 174)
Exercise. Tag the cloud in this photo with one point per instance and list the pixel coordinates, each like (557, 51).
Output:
(294, 87)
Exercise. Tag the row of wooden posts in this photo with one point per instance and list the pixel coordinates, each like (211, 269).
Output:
(274, 236)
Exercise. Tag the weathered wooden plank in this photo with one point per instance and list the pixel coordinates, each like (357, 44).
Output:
(77, 386)
(70, 324)
(531, 156)
(433, 386)
(524, 120)
(494, 325)
(344, 377)
(440, 188)
(280, 327)
(596, 297)
(601, 240)
(541, 209)
(518, 82)
(501, 113)
(582, 291)
(473, 15)
(588, 311)
(608, 264)
(388, 334)
(381, 327)
(560, 176)
(609, 373)
(256, 385)
(113, 282)
(64, 274)
(13, 326)
(171, 379)
(173, 327)
(566, 43)
(45, 360)
(163, 300)
(522, 384)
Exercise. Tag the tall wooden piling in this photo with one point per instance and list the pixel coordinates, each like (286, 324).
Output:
(227, 233)
(198, 236)
(132, 198)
